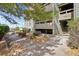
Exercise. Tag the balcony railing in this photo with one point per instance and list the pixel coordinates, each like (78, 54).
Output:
(44, 26)
(67, 14)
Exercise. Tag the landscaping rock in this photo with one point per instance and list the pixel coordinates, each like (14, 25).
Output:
(50, 48)
(30, 53)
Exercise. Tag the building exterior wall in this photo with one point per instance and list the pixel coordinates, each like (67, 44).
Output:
(76, 10)
(49, 7)
(62, 16)
(30, 24)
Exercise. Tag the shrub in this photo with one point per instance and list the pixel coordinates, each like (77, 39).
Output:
(37, 33)
(3, 30)
(33, 36)
(73, 41)
(40, 39)
(72, 24)
(22, 32)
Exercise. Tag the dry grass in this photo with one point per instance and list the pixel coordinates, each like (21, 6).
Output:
(15, 50)
(73, 52)
(40, 39)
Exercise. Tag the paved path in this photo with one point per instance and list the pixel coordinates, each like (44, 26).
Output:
(55, 46)
(61, 50)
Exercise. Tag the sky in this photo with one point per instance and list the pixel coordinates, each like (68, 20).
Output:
(21, 22)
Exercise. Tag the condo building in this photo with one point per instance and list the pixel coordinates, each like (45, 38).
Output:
(67, 11)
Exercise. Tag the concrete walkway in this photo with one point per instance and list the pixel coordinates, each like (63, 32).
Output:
(56, 46)
(61, 49)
